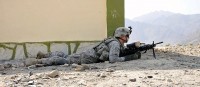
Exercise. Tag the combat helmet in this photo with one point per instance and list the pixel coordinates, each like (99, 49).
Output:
(121, 31)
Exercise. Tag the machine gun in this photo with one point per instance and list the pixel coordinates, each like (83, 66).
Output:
(131, 48)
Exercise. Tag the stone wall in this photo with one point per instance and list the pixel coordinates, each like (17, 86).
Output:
(9, 51)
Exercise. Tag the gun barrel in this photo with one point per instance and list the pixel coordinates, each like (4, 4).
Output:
(158, 43)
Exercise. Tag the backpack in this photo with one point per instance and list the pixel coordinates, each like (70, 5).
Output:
(102, 49)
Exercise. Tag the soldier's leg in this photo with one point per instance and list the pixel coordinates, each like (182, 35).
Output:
(83, 58)
(74, 58)
(88, 59)
(51, 54)
(56, 54)
(133, 56)
(54, 61)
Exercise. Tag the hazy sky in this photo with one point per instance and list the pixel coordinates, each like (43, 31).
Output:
(134, 8)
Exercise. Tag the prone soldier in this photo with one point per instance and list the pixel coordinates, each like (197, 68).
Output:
(111, 49)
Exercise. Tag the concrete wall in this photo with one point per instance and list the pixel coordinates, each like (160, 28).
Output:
(30, 26)
(10, 51)
(52, 20)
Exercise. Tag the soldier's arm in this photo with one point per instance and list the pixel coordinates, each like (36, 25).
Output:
(114, 52)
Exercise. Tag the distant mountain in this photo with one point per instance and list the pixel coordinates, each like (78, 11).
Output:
(165, 26)
(193, 37)
(150, 17)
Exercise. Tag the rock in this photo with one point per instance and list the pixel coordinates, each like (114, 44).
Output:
(13, 77)
(53, 68)
(93, 67)
(112, 66)
(3, 73)
(39, 65)
(30, 82)
(109, 70)
(39, 83)
(65, 65)
(32, 67)
(44, 76)
(19, 63)
(124, 75)
(13, 68)
(169, 80)
(132, 80)
(149, 76)
(156, 73)
(34, 77)
(82, 82)
(74, 65)
(98, 75)
(26, 79)
(81, 68)
(30, 73)
(1, 67)
(17, 80)
(123, 84)
(65, 78)
(7, 65)
(103, 75)
(54, 74)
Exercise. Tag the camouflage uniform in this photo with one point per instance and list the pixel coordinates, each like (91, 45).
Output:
(52, 58)
(56, 54)
(107, 50)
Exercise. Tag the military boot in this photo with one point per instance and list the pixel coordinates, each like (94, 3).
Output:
(40, 55)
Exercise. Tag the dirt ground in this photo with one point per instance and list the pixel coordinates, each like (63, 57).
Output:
(175, 66)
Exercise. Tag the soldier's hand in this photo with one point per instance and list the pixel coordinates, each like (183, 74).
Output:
(137, 44)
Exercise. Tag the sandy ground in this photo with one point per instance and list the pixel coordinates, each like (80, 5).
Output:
(175, 66)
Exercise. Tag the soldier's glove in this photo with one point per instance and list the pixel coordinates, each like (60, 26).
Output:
(134, 45)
